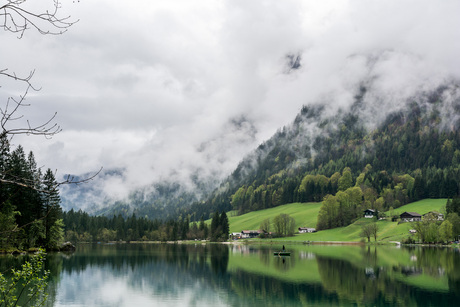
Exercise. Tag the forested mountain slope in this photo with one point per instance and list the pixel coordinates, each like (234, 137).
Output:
(396, 148)
(399, 155)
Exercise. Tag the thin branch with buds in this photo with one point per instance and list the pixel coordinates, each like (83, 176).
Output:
(16, 19)
(31, 184)
(10, 112)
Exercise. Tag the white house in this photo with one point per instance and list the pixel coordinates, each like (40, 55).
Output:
(306, 229)
(370, 213)
(247, 234)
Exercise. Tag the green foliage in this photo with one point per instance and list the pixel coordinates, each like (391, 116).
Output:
(225, 226)
(265, 225)
(328, 213)
(26, 285)
(54, 226)
(219, 227)
(453, 205)
(29, 202)
(445, 231)
(454, 219)
(284, 225)
(428, 230)
(366, 231)
(7, 225)
(346, 181)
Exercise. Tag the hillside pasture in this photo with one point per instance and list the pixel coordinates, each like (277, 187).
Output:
(305, 215)
(422, 206)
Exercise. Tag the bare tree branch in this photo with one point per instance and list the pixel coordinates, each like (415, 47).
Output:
(71, 179)
(14, 18)
(11, 112)
(31, 184)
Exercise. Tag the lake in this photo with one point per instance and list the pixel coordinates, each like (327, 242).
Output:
(250, 275)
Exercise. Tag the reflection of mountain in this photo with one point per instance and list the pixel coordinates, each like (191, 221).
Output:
(251, 276)
(382, 285)
(354, 276)
(166, 271)
(258, 289)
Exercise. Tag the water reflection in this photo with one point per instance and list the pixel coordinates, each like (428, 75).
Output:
(139, 275)
(244, 275)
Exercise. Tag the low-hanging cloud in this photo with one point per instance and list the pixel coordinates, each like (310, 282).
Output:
(166, 90)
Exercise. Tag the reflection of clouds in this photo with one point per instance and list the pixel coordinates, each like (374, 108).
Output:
(100, 286)
(307, 255)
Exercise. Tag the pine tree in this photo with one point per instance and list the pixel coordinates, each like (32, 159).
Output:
(34, 196)
(215, 227)
(203, 228)
(4, 166)
(53, 212)
(224, 226)
(7, 209)
(19, 194)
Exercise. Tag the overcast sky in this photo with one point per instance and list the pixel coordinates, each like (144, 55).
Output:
(164, 88)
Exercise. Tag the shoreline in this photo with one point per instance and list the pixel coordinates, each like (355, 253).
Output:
(260, 242)
(246, 242)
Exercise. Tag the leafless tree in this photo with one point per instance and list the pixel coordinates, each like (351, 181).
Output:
(17, 16)
(11, 112)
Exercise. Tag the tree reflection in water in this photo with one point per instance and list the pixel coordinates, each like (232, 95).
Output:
(252, 276)
(284, 263)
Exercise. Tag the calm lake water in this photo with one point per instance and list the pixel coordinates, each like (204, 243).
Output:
(248, 275)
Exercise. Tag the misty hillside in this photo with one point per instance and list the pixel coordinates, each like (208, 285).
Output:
(416, 135)
(162, 200)
(419, 138)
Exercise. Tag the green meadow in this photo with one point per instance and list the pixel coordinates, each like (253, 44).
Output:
(422, 206)
(306, 215)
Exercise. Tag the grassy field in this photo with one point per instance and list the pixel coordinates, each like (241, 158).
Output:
(422, 206)
(306, 215)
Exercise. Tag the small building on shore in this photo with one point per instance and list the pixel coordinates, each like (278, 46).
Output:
(306, 229)
(236, 235)
(248, 234)
(410, 217)
(370, 213)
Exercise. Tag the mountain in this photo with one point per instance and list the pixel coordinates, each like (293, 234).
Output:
(161, 200)
(386, 133)
(380, 139)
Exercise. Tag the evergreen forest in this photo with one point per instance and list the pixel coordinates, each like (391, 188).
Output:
(30, 211)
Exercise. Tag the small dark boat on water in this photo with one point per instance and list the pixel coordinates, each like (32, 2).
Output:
(282, 253)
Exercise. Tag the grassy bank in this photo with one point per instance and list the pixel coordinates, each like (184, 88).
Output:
(306, 215)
